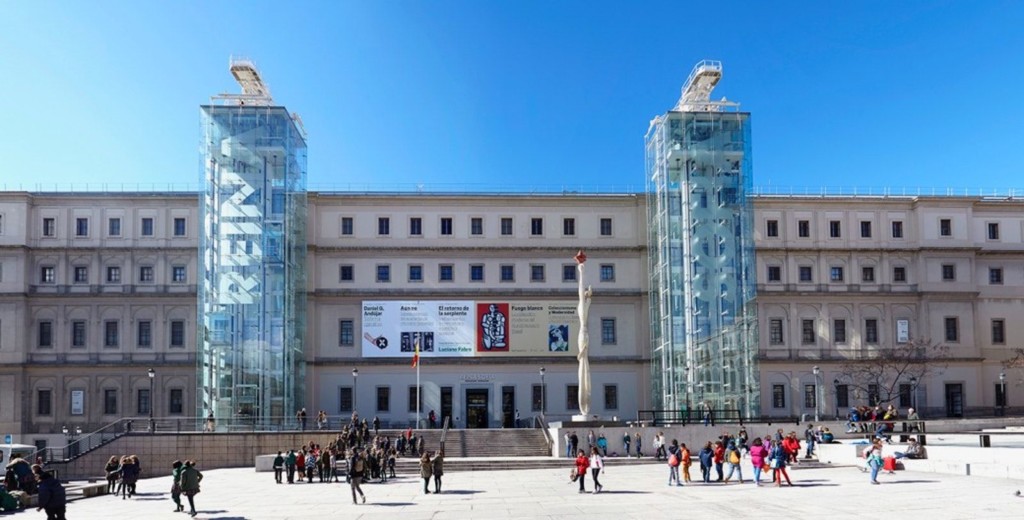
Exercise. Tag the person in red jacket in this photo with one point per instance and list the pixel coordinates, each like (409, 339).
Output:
(719, 458)
(582, 465)
(792, 446)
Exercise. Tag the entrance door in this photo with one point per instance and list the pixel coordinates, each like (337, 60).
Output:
(476, 407)
(508, 407)
(954, 400)
(446, 405)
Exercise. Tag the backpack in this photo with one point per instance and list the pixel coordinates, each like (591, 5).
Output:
(734, 457)
(673, 460)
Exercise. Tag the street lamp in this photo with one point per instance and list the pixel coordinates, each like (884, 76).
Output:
(1002, 386)
(542, 392)
(152, 379)
(355, 389)
(817, 405)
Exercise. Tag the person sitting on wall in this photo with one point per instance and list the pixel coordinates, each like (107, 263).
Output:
(827, 437)
(914, 451)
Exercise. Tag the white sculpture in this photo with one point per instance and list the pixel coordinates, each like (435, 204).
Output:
(584, 337)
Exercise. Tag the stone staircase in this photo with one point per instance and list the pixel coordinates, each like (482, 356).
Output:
(506, 443)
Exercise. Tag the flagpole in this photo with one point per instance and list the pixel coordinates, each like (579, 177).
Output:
(419, 398)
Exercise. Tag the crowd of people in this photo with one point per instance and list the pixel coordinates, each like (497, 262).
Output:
(34, 480)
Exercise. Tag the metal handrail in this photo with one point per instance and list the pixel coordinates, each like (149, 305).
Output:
(540, 422)
(444, 430)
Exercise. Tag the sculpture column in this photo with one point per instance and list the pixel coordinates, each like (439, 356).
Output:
(583, 340)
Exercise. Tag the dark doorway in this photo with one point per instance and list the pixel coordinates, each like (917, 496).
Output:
(446, 405)
(508, 407)
(476, 408)
(954, 400)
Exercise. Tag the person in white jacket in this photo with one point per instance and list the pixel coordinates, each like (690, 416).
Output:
(596, 467)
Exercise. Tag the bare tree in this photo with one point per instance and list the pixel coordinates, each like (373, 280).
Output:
(879, 374)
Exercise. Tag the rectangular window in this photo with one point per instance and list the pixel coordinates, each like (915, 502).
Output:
(113, 274)
(414, 398)
(568, 273)
(871, 331)
(569, 227)
(383, 273)
(476, 272)
(608, 335)
(347, 226)
(607, 272)
(835, 229)
(778, 396)
(179, 226)
(537, 398)
(993, 231)
(807, 333)
(44, 402)
(1001, 394)
(865, 229)
(508, 273)
(144, 334)
(146, 274)
(81, 227)
(346, 273)
(952, 330)
(78, 334)
(948, 272)
(147, 227)
(945, 227)
(867, 274)
(775, 336)
(897, 229)
(842, 396)
(606, 227)
(803, 228)
(611, 397)
(904, 393)
(177, 333)
(774, 273)
(110, 331)
(178, 274)
(142, 403)
(446, 226)
(109, 401)
(995, 276)
(836, 274)
(998, 332)
(49, 227)
(806, 273)
(176, 402)
(81, 274)
(839, 331)
(345, 399)
(47, 274)
(772, 228)
(415, 273)
(383, 399)
(536, 226)
(446, 272)
(346, 333)
(506, 226)
(536, 272)
(899, 274)
(46, 334)
(114, 227)
(810, 396)
(415, 226)
(383, 226)
(476, 226)
(572, 397)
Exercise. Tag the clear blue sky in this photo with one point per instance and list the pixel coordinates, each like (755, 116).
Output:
(518, 92)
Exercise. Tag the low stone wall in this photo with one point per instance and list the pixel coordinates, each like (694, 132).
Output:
(949, 460)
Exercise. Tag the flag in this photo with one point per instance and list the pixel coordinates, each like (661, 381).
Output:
(416, 354)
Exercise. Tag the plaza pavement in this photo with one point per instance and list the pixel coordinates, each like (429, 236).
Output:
(633, 491)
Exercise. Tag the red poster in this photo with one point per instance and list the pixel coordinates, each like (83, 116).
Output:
(492, 322)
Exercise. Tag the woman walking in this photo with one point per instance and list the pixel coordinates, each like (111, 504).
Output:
(707, 457)
(111, 471)
(176, 467)
(582, 465)
(426, 470)
(684, 458)
(438, 468)
(758, 453)
(673, 463)
(777, 458)
(874, 459)
(190, 479)
(596, 467)
(732, 460)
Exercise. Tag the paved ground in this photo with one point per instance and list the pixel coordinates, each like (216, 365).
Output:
(630, 492)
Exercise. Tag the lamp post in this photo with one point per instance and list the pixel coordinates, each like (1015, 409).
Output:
(913, 392)
(542, 392)
(355, 389)
(817, 403)
(152, 380)
(67, 440)
(1002, 387)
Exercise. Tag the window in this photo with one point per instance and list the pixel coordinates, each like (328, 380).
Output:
(81, 274)
(874, 397)
(774, 273)
(608, 331)
(347, 225)
(569, 227)
(537, 399)
(611, 397)
(810, 396)
(383, 398)
(772, 228)
(508, 273)
(345, 399)
(49, 227)
(446, 272)
(775, 336)
(998, 332)
(871, 331)
(839, 330)
(536, 226)
(778, 396)
(147, 227)
(476, 226)
(867, 274)
(346, 273)
(346, 333)
(506, 226)
(179, 226)
(865, 229)
(952, 330)
(897, 229)
(568, 273)
(78, 334)
(47, 274)
(993, 231)
(1001, 394)
(178, 274)
(415, 273)
(476, 272)
(144, 333)
(836, 274)
(113, 274)
(607, 272)
(383, 273)
(414, 399)
(142, 403)
(536, 272)
(45, 333)
(446, 226)
(109, 401)
(81, 227)
(416, 226)
(114, 227)
(806, 273)
(176, 402)
(110, 333)
(803, 228)
(995, 275)
(44, 402)
(807, 334)
(948, 272)
(146, 273)
(945, 227)
(606, 227)
(177, 333)
(834, 229)
(899, 274)
(572, 397)
(383, 226)
(842, 396)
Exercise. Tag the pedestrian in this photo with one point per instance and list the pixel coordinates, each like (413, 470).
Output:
(518, 423)
(300, 463)
(684, 458)
(278, 467)
(376, 425)
(719, 458)
(582, 465)
(874, 459)
(673, 463)
(432, 417)
(758, 454)
(356, 470)
(732, 459)
(810, 438)
(112, 474)
(574, 443)
(602, 444)
(211, 423)
(777, 460)
(596, 467)
(426, 471)
(626, 440)
(639, 443)
(300, 416)
(52, 497)
(190, 479)
(568, 444)
(176, 468)
(438, 469)
(289, 463)
(707, 457)
(591, 440)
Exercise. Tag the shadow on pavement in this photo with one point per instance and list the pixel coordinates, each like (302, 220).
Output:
(911, 482)
(390, 504)
(603, 492)
(462, 492)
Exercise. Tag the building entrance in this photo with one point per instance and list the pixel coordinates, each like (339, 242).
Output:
(954, 400)
(446, 405)
(508, 407)
(477, 406)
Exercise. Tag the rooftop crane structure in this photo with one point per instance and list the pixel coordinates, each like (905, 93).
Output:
(696, 92)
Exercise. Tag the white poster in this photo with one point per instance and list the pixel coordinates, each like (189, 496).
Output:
(902, 331)
(442, 328)
(77, 402)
